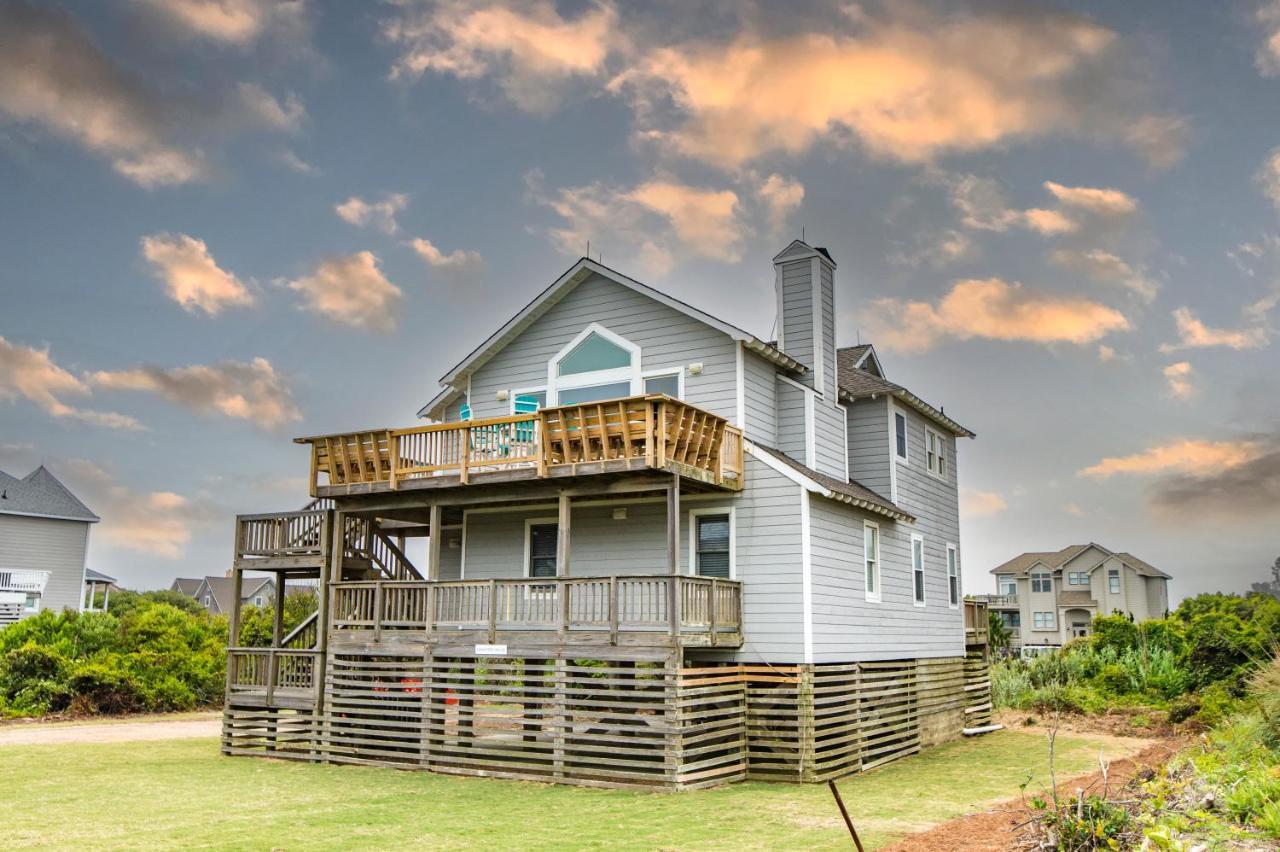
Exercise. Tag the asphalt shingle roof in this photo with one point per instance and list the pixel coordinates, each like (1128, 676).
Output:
(1055, 559)
(858, 383)
(855, 491)
(40, 493)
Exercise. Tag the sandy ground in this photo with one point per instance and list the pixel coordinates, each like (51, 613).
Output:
(187, 726)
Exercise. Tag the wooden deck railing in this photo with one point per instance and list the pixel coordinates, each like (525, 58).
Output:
(662, 431)
(708, 606)
(273, 671)
(976, 625)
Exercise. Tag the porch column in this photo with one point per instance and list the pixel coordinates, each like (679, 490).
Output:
(233, 622)
(277, 622)
(562, 537)
(673, 554)
(106, 596)
(434, 542)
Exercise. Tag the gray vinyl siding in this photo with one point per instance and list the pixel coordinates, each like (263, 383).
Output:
(792, 420)
(797, 313)
(761, 397)
(45, 544)
(828, 438)
(667, 338)
(935, 504)
(766, 549)
(869, 447)
(848, 627)
(1157, 596)
(450, 554)
(828, 331)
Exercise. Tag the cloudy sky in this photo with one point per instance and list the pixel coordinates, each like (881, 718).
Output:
(224, 223)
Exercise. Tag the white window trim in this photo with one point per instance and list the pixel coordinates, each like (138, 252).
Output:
(942, 445)
(894, 414)
(924, 575)
(515, 392)
(657, 372)
(1031, 579)
(694, 514)
(529, 523)
(953, 564)
(878, 595)
(556, 383)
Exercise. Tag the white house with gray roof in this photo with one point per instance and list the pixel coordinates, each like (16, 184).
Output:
(1049, 598)
(44, 540)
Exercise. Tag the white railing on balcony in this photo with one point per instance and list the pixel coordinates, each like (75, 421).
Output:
(23, 580)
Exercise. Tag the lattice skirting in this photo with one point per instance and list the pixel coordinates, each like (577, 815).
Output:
(619, 723)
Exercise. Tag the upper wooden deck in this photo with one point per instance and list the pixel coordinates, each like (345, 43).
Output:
(651, 432)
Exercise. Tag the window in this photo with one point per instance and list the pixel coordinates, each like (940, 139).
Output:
(1043, 620)
(953, 576)
(1041, 582)
(32, 602)
(257, 600)
(597, 364)
(713, 549)
(1077, 578)
(917, 570)
(871, 558)
(540, 549)
(672, 384)
(1012, 620)
(207, 600)
(900, 434)
(935, 451)
(1008, 585)
(1113, 580)
(592, 393)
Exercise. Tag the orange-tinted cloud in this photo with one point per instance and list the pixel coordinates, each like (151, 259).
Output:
(909, 87)
(33, 375)
(1194, 457)
(1194, 334)
(350, 290)
(981, 504)
(251, 391)
(1100, 201)
(191, 276)
(1178, 376)
(992, 309)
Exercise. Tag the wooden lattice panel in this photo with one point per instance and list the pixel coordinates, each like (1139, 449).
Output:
(269, 732)
(940, 699)
(887, 705)
(374, 709)
(837, 724)
(711, 708)
(977, 686)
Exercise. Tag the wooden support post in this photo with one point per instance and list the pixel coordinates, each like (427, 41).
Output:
(435, 542)
(673, 554)
(493, 610)
(277, 618)
(562, 536)
(613, 610)
(711, 606)
(559, 718)
(377, 611)
(233, 623)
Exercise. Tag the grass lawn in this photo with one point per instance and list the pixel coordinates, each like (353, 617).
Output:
(183, 793)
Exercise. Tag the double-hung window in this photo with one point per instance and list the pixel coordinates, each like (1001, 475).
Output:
(1041, 582)
(1043, 620)
(541, 550)
(935, 452)
(1077, 578)
(953, 576)
(1113, 580)
(900, 435)
(871, 559)
(917, 570)
(713, 543)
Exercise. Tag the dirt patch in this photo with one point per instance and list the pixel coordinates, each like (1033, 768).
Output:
(1125, 722)
(116, 730)
(998, 827)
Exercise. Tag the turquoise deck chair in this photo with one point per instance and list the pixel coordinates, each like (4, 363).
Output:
(524, 428)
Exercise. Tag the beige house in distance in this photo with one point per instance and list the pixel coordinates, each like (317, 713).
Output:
(1048, 599)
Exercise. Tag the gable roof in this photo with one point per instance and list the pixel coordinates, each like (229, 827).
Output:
(186, 585)
(40, 494)
(221, 589)
(853, 493)
(1054, 560)
(856, 383)
(561, 287)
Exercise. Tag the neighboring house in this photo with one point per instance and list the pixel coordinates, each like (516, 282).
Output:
(1047, 599)
(44, 541)
(613, 475)
(216, 593)
(96, 582)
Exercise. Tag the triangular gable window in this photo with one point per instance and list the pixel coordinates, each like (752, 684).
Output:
(592, 354)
